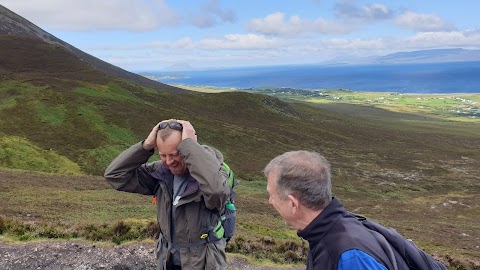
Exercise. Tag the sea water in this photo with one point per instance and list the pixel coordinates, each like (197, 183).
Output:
(456, 77)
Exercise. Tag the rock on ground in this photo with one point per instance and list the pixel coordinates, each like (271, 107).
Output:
(89, 256)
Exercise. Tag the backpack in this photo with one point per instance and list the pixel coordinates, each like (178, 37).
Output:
(229, 216)
(413, 257)
(225, 228)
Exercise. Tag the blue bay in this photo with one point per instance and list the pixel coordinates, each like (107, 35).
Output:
(457, 77)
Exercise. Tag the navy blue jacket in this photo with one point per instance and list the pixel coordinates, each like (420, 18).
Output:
(335, 231)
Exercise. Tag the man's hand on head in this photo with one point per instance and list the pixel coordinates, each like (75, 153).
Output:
(151, 141)
(188, 131)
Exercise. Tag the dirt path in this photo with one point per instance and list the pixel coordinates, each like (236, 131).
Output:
(88, 256)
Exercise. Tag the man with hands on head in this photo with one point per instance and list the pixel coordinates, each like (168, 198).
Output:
(190, 186)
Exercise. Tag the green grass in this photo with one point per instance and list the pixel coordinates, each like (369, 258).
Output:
(118, 232)
(457, 107)
(8, 103)
(112, 131)
(99, 158)
(19, 153)
(54, 116)
(111, 91)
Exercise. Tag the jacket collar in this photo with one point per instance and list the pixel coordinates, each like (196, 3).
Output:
(163, 174)
(322, 224)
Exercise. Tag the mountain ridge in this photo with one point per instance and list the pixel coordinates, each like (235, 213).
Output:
(431, 56)
(13, 25)
(412, 57)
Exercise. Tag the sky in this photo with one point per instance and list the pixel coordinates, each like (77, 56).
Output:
(149, 35)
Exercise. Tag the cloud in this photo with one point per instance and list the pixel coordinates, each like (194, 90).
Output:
(240, 42)
(348, 18)
(349, 12)
(276, 24)
(253, 49)
(374, 12)
(380, 46)
(227, 42)
(452, 39)
(87, 15)
(180, 44)
(210, 15)
(355, 44)
(423, 22)
(213, 6)
(203, 20)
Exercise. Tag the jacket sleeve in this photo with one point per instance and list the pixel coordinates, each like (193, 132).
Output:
(208, 171)
(129, 171)
(358, 260)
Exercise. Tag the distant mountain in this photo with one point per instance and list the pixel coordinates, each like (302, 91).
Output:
(412, 57)
(16, 31)
(431, 56)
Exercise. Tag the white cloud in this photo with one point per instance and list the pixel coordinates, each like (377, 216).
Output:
(374, 12)
(275, 24)
(422, 22)
(86, 15)
(180, 44)
(240, 42)
(235, 49)
(239, 49)
(211, 14)
(420, 41)
(355, 44)
(465, 39)
(203, 20)
(328, 27)
(213, 7)
(228, 42)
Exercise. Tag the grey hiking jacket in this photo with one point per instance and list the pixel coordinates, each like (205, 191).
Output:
(197, 209)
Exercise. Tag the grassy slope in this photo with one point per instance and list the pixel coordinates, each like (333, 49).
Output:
(403, 170)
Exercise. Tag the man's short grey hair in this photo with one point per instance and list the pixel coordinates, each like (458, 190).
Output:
(303, 174)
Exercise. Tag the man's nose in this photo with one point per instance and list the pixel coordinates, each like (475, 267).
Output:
(169, 160)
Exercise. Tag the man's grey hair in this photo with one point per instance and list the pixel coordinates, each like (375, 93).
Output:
(303, 174)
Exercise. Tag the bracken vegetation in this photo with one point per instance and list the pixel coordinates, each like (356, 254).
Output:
(62, 122)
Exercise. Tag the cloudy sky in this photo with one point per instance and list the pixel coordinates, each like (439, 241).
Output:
(143, 35)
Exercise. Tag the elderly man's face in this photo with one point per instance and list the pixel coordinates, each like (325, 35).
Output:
(169, 154)
(283, 207)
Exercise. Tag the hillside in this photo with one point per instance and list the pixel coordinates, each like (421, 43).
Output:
(62, 120)
(13, 26)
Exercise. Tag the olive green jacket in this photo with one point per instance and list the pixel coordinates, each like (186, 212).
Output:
(197, 207)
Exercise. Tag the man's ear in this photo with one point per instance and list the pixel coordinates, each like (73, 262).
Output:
(295, 203)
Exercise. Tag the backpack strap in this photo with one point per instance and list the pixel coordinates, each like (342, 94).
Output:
(231, 177)
(407, 253)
